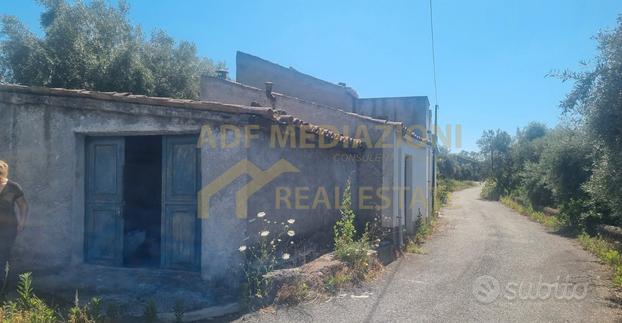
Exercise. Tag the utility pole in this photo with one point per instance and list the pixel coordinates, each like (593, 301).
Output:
(434, 150)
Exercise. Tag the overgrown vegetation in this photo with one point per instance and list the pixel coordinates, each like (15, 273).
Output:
(265, 254)
(293, 293)
(93, 45)
(424, 229)
(549, 221)
(574, 167)
(349, 248)
(606, 252)
(28, 308)
(340, 280)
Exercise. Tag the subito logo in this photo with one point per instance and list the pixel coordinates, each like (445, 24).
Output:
(486, 289)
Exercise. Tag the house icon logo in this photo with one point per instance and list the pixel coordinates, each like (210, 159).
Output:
(260, 178)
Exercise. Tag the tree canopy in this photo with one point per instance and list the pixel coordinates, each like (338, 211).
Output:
(94, 46)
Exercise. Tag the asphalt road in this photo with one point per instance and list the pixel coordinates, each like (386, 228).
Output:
(485, 263)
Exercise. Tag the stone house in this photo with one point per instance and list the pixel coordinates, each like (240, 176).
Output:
(120, 180)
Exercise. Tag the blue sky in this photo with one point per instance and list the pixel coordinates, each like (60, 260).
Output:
(492, 56)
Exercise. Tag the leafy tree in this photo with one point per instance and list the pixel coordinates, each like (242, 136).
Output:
(464, 165)
(596, 98)
(495, 146)
(567, 162)
(92, 45)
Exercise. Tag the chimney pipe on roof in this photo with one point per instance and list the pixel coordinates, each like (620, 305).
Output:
(222, 74)
(271, 97)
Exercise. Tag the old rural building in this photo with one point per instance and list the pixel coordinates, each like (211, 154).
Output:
(124, 180)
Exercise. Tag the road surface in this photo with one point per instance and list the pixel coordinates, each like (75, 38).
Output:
(485, 263)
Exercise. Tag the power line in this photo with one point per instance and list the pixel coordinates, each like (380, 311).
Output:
(433, 55)
(435, 134)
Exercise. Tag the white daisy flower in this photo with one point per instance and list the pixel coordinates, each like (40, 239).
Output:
(242, 248)
(261, 214)
(291, 233)
(285, 256)
(264, 233)
(291, 221)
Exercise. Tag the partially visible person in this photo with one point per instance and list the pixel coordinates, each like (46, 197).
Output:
(11, 194)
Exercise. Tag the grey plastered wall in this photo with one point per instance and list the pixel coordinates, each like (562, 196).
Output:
(318, 169)
(254, 71)
(411, 111)
(376, 168)
(43, 140)
(372, 165)
(224, 232)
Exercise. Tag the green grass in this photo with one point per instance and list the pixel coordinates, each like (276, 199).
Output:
(606, 252)
(549, 221)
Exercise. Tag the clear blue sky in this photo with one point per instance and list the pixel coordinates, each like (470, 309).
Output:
(492, 56)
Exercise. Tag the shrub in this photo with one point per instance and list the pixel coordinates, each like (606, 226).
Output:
(339, 280)
(294, 293)
(347, 249)
(262, 257)
(424, 229)
(492, 191)
(28, 307)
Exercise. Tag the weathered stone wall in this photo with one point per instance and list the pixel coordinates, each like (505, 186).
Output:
(42, 139)
(254, 71)
(44, 143)
(309, 170)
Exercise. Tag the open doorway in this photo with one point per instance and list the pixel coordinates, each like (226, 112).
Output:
(141, 201)
(142, 193)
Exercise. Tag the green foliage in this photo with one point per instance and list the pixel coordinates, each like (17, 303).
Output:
(491, 191)
(347, 248)
(596, 102)
(567, 163)
(338, 281)
(546, 168)
(534, 187)
(262, 257)
(92, 45)
(573, 213)
(606, 252)
(549, 221)
(495, 147)
(293, 293)
(27, 307)
(89, 313)
(344, 229)
(462, 166)
(424, 230)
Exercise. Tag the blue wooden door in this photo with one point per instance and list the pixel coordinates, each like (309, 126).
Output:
(181, 238)
(104, 200)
